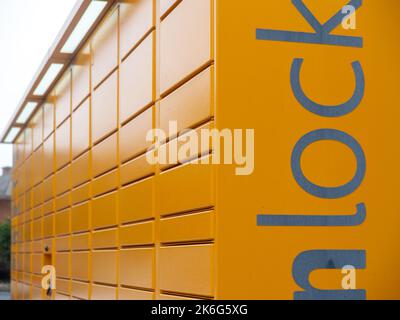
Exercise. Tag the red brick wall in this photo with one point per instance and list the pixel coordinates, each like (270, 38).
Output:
(5, 209)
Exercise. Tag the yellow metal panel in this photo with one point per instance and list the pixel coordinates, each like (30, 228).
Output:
(19, 262)
(136, 201)
(80, 290)
(37, 246)
(18, 234)
(105, 48)
(63, 201)
(27, 244)
(63, 98)
(62, 264)
(63, 144)
(80, 265)
(80, 241)
(37, 263)
(136, 267)
(104, 239)
(105, 155)
(37, 128)
(81, 193)
(136, 80)
(80, 172)
(48, 207)
(133, 135)
(103, 292)
(105, 183)
(62, 243)
(193, 227)
(136, 19)
(104, 108)
(190, 105)
(104, 267)
(28, 142)
(187, 269)
(48, 188)
(27, 232)
(36, 279)
(104, 211)
(14, 290)
(62, 222)
(62, 286)
(37, 229)
(14, 221)
(136, 169)
(188, 28)
(37, 196)
(37, 212)
(19, 204)
(48, 156)
(26, 216)
(80, 217)
(130, 294)
(80, 129)
(37, 163)
(20, 154)
(63, 180)
(17, 292)
(193, 189)
(166, 5)
(137, 234)
(81, 76)
(48, 226)
(24, 177)
(48, 117)
(172, 297)
(28, 199)
(61, 297)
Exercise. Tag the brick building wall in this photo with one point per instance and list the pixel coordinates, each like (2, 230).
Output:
(5, 194)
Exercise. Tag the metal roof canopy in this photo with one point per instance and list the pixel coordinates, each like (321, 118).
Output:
(54, 55)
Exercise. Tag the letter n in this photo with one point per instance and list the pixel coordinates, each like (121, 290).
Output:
(308, 261)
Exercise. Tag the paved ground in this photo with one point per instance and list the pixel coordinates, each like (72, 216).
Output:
(4, 296)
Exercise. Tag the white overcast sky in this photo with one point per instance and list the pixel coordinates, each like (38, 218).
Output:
(27, 30)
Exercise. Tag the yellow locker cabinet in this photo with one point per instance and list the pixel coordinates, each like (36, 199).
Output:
(316, 216)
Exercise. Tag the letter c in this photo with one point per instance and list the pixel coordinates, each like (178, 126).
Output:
(324, 110)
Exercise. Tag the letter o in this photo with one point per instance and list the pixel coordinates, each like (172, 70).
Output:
(328, 192)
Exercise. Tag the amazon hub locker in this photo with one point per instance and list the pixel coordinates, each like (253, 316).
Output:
(292, 196)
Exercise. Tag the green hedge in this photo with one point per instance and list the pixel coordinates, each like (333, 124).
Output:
(5, 242)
